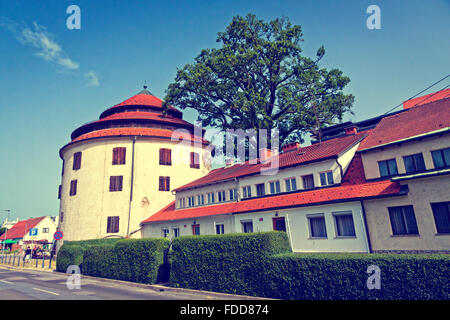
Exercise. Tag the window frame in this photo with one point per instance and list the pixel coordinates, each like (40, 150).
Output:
(405, 224)
(312, 180)
(164, 183)
(276, 187)
(441, 152)
(263, 189)
(340, 214)
(195, 160)
(288, 182)
(310, 226)
(113, 223)
(77, 160)
(388, 167)
(165, 157)
(438, 228)
(73, 187)
(245, 222)
(415, 163)
(115, 183)
(119, 156)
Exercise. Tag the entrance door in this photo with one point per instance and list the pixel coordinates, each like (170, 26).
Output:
(279, 224)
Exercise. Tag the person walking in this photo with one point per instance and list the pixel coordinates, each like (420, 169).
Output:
(27, 256)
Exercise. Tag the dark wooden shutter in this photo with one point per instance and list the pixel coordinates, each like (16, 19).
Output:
(165, 157)
(76, 161)
(195, 160)
(161, 184)
(119, 155)
(167, 184)
(73, 187)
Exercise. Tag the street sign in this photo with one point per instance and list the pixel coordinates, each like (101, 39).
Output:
(58, 235)
(33, 232)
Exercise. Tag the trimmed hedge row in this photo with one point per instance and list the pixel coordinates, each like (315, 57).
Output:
(71, 253)
(137, 260)
(225, 263)
(259, 265)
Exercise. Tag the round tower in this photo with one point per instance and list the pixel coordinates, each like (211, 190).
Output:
(120, 169)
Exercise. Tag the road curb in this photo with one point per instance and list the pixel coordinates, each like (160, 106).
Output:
(154, 287)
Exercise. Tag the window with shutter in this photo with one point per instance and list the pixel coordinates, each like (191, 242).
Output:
(165, 157)
(73, 188)
(195, 160)
(112, 225)
(115, 183)
(164, 183)
(59, 192)
(76, 161)
(119, 155)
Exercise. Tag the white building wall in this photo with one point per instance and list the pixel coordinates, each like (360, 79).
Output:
(207, 226)
(370, 158)
(297, 227)
(85, 214)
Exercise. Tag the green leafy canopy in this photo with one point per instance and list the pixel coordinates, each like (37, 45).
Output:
(258, 79)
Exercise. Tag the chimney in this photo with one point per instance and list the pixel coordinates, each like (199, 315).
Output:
(265, 153)
(351, 130)
(290, 146)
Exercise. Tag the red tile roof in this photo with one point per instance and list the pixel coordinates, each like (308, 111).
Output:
(21, 228)
(145, 132)
(409, 123)
(426, 99)
(354, 187)
(314, 152)
(143, 98)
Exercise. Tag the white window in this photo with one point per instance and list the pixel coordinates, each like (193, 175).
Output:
(44, 230)
(274, 187)
(191, 202)
(181, 203)
(165, 232)
(232, 193)
(246, 192)
(344, 224)
(201, 199)
(317, 226)
(176, 232)
(220, 228)
(210, 197)
(291, 184)
(247, 226)
(326, 178)
(221, 196)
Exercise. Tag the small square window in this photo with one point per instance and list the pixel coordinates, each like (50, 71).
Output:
(318, 227)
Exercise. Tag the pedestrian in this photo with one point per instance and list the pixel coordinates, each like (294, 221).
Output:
(26, 258)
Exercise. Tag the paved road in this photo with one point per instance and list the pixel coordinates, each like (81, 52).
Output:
(40, 285)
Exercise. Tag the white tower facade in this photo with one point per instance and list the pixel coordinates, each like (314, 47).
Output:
(122, 168)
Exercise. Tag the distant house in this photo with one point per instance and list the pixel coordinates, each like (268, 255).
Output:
(30, 231)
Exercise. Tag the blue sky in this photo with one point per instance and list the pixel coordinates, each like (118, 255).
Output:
(53, 79)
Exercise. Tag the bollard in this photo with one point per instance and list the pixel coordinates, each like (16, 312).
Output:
(43, 259)
(50, 262)
(36, 262)
(14, 258)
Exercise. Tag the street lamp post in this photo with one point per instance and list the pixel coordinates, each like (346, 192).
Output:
(6, 233)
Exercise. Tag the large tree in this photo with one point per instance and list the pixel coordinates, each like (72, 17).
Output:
(258, 79)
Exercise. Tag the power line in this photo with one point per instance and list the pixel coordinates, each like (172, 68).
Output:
(422, 92)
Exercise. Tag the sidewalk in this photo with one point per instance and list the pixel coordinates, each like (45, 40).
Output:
(31, 264)
(154, 287)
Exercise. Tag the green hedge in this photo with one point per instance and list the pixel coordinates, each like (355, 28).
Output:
(69, 255)
(137, 260)
(344, 277)
(225, 263)
(259, 265)
(71, 252)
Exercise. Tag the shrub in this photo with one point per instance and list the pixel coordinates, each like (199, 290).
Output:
(259, 265)
(231, 263)
(69, 255)
(137, 260)
(344, 276)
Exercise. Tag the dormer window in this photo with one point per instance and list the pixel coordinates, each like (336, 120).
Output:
(326, 178)
(414, 163)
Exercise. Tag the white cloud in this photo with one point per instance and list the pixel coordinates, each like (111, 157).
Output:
(38, 37)
(92, 79)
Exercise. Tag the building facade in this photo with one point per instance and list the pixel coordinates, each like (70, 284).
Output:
(121, 168)
(379, 185)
